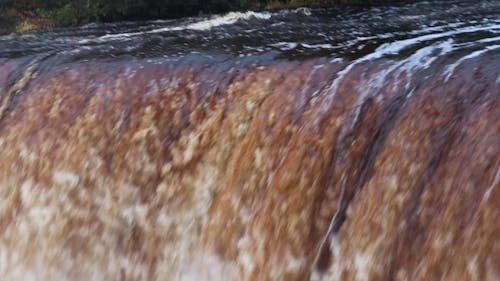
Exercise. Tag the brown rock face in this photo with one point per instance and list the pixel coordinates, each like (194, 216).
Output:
(311, 170)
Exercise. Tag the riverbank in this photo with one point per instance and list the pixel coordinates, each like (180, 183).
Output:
(13, 20)
(22, 16)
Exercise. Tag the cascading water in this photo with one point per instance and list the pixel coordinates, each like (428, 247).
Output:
(322, 144)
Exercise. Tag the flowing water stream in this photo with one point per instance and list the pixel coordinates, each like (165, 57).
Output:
(339, 143)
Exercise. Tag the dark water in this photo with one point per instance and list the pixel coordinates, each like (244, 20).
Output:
(350, 32)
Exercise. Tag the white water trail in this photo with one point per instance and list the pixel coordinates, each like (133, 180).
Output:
(451, 69)
(227, 19)
(393, 48)
(421, 59)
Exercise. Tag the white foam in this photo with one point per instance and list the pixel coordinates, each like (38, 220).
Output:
(65, 178)
(362, 264)
(285, 46)
(317, 46)
(451, 69)
(209, 267)
(227, 19)
(398, 46)
(424, 57)
(419, 60)
(488, 192)
(303, 10)
(489, 40)
(394, 48)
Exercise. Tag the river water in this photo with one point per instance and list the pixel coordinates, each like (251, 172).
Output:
(290, 34)
(340, 143)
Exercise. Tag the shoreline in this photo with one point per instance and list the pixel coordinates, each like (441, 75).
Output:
(13, 20)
